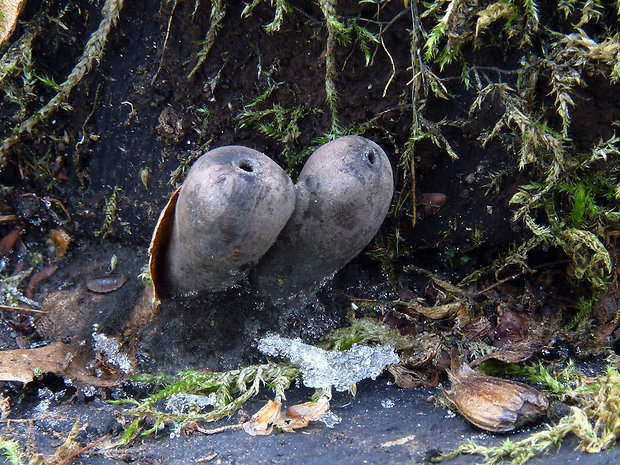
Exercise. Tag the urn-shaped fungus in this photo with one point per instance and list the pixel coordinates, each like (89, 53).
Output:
(342, 196)
(228, 212)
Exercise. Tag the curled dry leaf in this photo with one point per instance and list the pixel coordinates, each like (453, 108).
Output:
(298, 416)
(159, 241)
(262, 422)
(68, 360)
(458, 310)
(9, 11)
(105, 284)
(490, 403)
(61, 241)
(295, 417)
(8, 242)
(38, 278)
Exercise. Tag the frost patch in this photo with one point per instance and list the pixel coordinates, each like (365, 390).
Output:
(111, 349)
(186, 403)
(322, 369)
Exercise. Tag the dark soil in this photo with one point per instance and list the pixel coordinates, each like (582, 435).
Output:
(133, 122)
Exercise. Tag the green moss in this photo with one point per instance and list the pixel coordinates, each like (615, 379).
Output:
(231, 390)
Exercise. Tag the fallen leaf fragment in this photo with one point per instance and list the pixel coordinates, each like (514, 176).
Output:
(398, 442)
(8, 242)
(295, 417)
(458, 309)
(67, 360)
(61, 241)
(38, 278)
(9, 11)
(261, 423)
(300, 415)
(490, 403)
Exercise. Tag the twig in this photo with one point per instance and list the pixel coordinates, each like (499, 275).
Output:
(516, 275)
(221, 429)
(82, 450)
(208, 458)
(163, 49)
(494, 285)
(22, 309)
(9, 218)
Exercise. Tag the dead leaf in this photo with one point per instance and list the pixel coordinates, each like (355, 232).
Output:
(398, 442)
(67, 360)
(458, 309)
(61, 241)
(9, 11)
(8, 242)
(261, 423)
(517, 352)
(298, 416)
(295, 417)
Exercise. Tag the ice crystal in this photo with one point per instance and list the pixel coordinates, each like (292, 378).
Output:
(322, 369)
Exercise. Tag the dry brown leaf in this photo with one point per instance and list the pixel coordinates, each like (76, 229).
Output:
(298, 416)
(61, 240)
(158, 247)
(295, 417)
(458, 309)
(67, 360)
(517, 352)
(261, 423)
(9, 11)
(8, 242)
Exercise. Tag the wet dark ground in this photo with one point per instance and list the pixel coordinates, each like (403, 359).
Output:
(382, 424)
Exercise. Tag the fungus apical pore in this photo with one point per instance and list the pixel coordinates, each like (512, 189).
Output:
(342, 196)
(226, 215)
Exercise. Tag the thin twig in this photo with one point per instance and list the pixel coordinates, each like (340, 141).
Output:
(22, 309)
(163, 49)
(221, 429)
(82, 450)
(9, 218)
